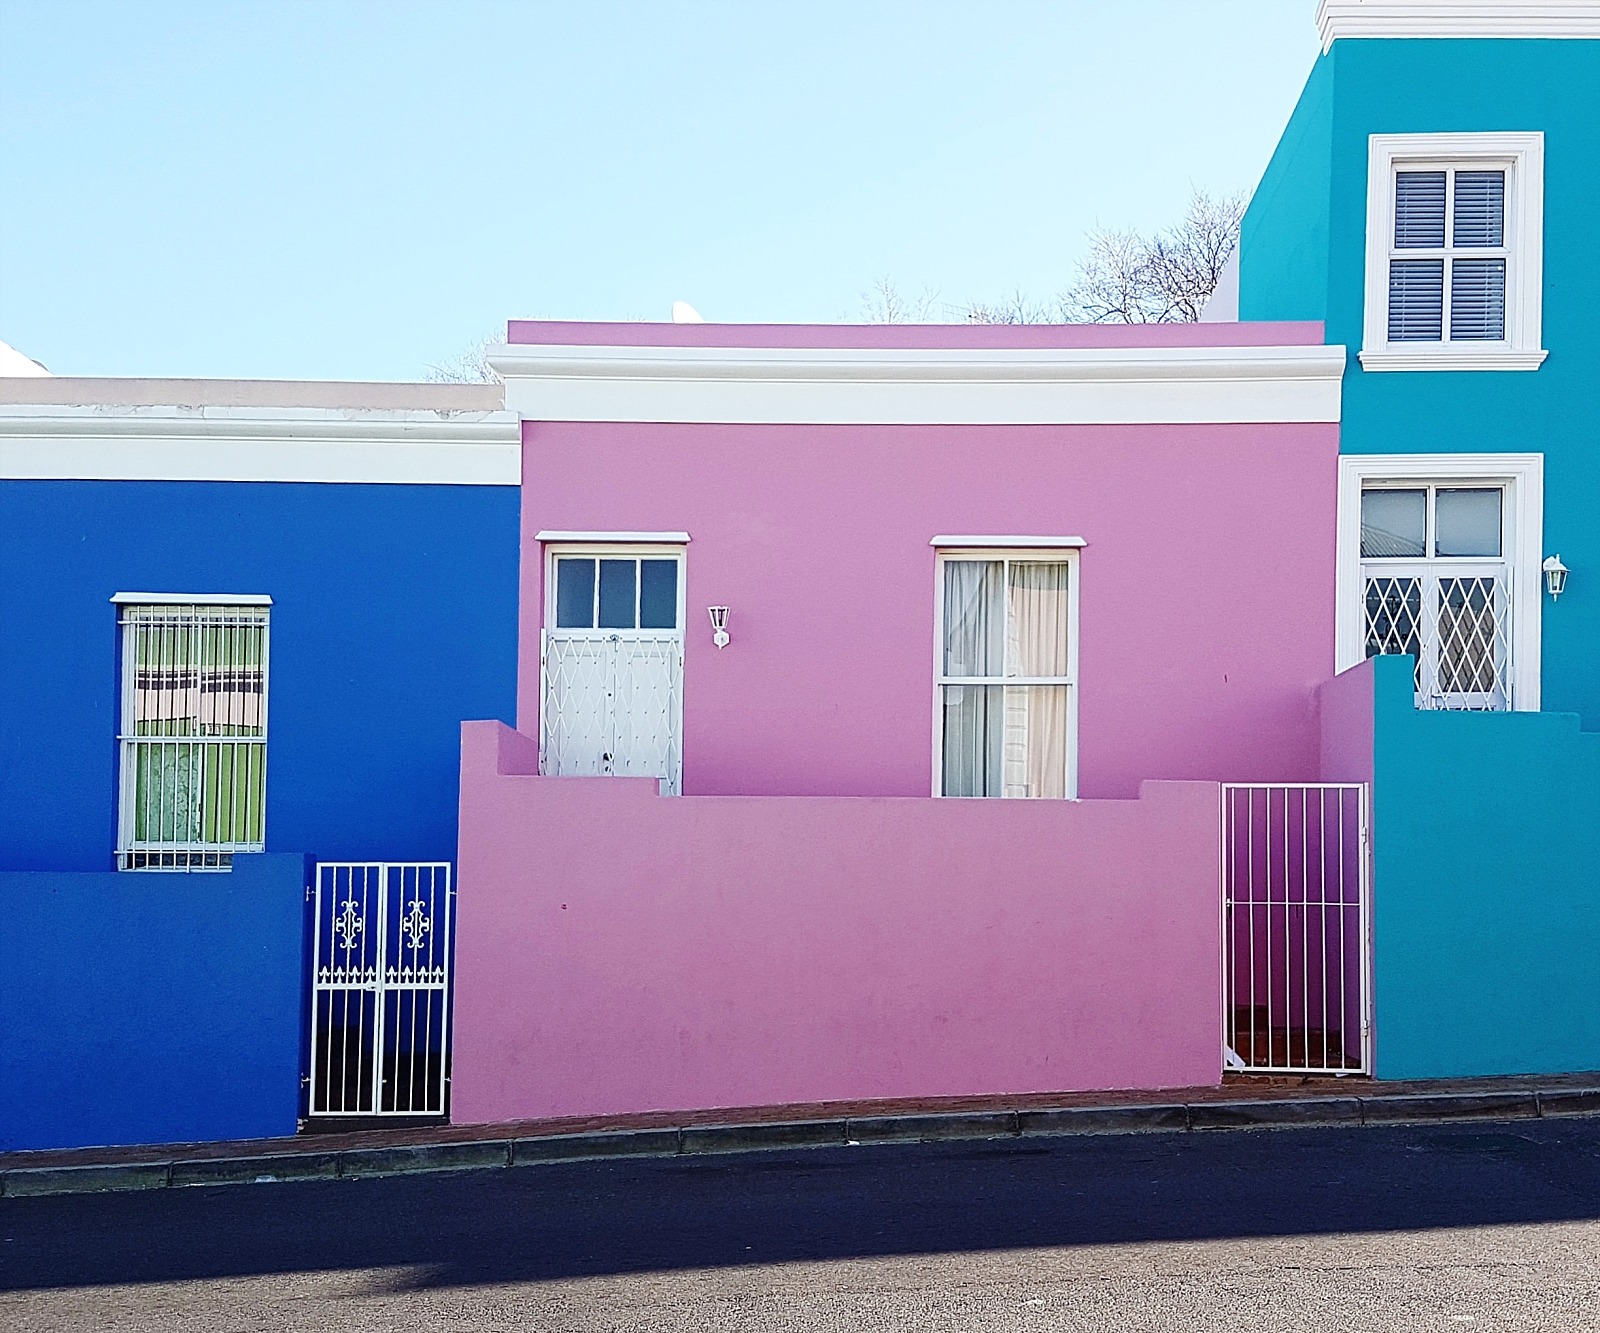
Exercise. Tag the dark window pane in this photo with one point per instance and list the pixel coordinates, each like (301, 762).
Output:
(974, 740)
(1393, 523)
(658, 594)
(1478, 300)
(1416, 300)
(1480, 211)
(1467, 522)
(617, 594)
(1418, 209)
(574, 594)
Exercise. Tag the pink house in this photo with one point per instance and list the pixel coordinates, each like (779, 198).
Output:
(820, 591)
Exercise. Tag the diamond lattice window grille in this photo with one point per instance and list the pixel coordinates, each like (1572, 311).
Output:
(1456, 625)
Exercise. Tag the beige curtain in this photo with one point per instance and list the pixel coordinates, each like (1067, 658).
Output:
(1036, 715)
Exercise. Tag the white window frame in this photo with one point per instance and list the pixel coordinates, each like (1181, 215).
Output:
(133, 855)
(1521, 156)
(612, 546)
(1522, 476)
(1016, 550)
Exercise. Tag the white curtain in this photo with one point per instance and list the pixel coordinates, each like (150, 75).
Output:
(1005, 740)
(974, 645)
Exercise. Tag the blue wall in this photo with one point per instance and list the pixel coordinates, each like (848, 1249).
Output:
(151, 1008)
(1303, 257)
(394, 618)
(1486, 839)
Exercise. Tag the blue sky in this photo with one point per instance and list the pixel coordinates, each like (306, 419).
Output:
(361, 190)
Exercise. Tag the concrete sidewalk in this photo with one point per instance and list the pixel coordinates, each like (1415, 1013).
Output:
(1242, 1102)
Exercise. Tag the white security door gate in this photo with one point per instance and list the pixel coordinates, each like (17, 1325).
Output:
(1295, 931)
(380, 996)
(611, 659)
(612, 706)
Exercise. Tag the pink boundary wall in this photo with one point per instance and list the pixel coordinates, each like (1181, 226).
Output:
(621, 951)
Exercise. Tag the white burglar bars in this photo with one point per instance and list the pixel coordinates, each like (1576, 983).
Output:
(380, 1002)
(193, 735)
(1296, 922)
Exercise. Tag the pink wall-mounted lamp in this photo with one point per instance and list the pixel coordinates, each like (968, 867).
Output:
(719, 625)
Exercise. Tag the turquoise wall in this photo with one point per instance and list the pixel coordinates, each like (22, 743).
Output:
(1303, 257)
(1486, 888)
(1283, 240)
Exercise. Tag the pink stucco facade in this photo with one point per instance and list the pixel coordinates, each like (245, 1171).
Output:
(808, 922)
(1206, 587)
(623, 951)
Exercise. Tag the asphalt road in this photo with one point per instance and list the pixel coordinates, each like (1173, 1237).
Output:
(1475, 1226)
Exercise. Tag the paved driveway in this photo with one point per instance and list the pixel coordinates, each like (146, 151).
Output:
(1481, 1226)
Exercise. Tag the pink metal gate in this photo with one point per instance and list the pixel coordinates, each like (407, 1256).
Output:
(1296, 928)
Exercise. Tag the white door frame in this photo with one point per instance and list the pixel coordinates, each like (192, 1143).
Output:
(618, 546)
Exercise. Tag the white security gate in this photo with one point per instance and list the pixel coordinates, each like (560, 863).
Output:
(380, 997)
(613, 704)
(1295, 930)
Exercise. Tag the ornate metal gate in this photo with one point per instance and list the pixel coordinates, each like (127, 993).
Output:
(1296, 905)
(380, 991)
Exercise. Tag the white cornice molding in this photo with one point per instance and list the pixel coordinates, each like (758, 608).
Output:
(51, 442)
(917, 386)
(1457, 18)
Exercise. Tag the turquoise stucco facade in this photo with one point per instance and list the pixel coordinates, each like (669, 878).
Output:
(1302, 256)
(1486, 926)
(1486, 826)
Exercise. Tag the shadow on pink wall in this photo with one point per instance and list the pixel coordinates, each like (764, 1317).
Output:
(621, 951)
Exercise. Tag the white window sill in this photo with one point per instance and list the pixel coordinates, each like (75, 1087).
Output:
(1441, 357)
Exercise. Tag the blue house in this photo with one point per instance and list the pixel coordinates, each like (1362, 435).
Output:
(241, 617)
(1431, 201)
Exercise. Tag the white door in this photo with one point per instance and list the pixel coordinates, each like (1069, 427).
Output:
(612, 663)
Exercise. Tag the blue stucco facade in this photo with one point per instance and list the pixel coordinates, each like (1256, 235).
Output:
(151, 1008)
(394, 618)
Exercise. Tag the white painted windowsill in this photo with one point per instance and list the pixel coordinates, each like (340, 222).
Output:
(1450, 358)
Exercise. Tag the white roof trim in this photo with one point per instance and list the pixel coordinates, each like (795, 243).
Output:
(920, 386)
(1012, 543)
(615, 538)
(190, 599)
(44, 442)
(1457, 18)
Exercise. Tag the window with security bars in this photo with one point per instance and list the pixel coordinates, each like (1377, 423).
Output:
(1436, 585)
(1448, 255)
(193, 734)
(1006, 678)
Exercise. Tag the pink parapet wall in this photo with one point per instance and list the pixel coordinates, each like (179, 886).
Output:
(619, 951)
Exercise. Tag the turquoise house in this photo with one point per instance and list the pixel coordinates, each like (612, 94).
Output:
(1431, 200)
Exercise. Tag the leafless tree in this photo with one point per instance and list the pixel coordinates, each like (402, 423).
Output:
(1165, 279)
(883, 303)
(1018, 308)
(470, 365)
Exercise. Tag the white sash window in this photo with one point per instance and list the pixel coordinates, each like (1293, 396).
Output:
(1007, 674)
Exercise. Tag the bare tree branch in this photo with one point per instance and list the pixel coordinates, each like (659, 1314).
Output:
(470, 365)
(884, 304)
(1166, 279)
